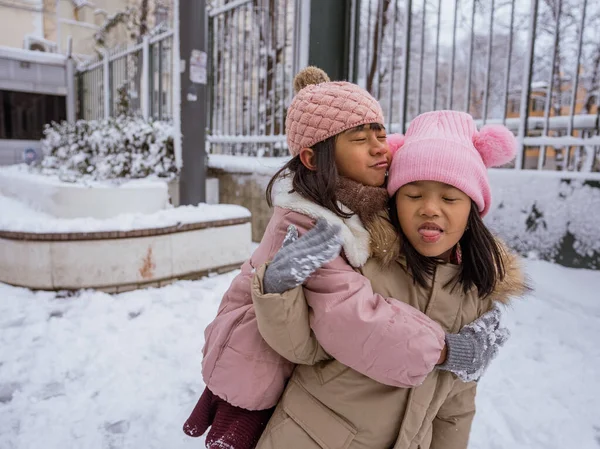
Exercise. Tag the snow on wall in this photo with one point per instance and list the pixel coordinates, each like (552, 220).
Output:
(246, 164)
(39, 57)
(551, 215)
(540, 214)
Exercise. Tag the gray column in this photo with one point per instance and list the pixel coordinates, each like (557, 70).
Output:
(193, 54)
(329, 45)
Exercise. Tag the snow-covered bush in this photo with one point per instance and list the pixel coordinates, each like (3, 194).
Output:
(122, 147)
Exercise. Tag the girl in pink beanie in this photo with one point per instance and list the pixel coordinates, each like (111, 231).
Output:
(330, 193)
(449, 267)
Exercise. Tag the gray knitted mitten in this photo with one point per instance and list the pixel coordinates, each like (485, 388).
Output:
(298, 258)
(475, 346)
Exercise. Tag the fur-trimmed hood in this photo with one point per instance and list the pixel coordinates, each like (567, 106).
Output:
(355, 237)
(515, 283)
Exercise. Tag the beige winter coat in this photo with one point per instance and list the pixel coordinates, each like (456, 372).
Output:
(328, 405)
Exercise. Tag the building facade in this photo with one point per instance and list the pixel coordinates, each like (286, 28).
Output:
(46, 25)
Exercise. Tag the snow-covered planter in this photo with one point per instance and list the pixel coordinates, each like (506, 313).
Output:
(95, 213)
(85, 198)
(129, 251)
(124, 147)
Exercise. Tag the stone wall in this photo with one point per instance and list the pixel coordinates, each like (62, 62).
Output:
(247, 190)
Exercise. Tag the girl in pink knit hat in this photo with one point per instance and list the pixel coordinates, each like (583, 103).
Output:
(328, 198)
(447, 265)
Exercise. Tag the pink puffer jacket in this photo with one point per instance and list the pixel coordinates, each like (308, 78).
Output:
(387, 340)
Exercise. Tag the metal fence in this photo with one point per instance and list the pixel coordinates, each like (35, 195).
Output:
(532, 65)
(252, 63)
(135, 80)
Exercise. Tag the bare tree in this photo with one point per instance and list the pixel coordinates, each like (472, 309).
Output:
(591, 81)
(143, 19)
(566, 66)
(432, 68)
(379, 32)
(267, 12)
(135, 20)
(251, 74)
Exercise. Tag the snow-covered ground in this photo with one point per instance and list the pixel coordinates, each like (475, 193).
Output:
(101, 371)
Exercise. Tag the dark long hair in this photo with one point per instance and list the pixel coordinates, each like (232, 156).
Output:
(315, 185)
(482, 264)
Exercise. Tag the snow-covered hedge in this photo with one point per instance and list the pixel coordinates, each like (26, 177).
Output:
(121, 147)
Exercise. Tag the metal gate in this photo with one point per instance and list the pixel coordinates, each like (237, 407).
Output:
(252, 63)
(130, 80)
(533, 65)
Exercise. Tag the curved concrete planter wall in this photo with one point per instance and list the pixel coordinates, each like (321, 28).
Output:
(120, 261)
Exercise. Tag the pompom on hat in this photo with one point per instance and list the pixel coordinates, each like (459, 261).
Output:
(324, 108)
(445, 146)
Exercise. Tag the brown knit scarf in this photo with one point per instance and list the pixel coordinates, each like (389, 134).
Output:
(370, 204)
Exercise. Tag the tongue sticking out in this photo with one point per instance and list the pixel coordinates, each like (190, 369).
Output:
(430, 235)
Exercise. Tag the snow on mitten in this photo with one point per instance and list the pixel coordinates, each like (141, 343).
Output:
(475, 346)
(298, 258)
(202, 415)
(230, 426)
(236, 428)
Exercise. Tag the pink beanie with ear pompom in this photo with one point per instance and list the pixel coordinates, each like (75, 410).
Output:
(395, 141)
(496, 145)
(445, 146)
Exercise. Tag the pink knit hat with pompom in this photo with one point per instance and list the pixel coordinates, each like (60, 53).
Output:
(445, 146)
(323, 108)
